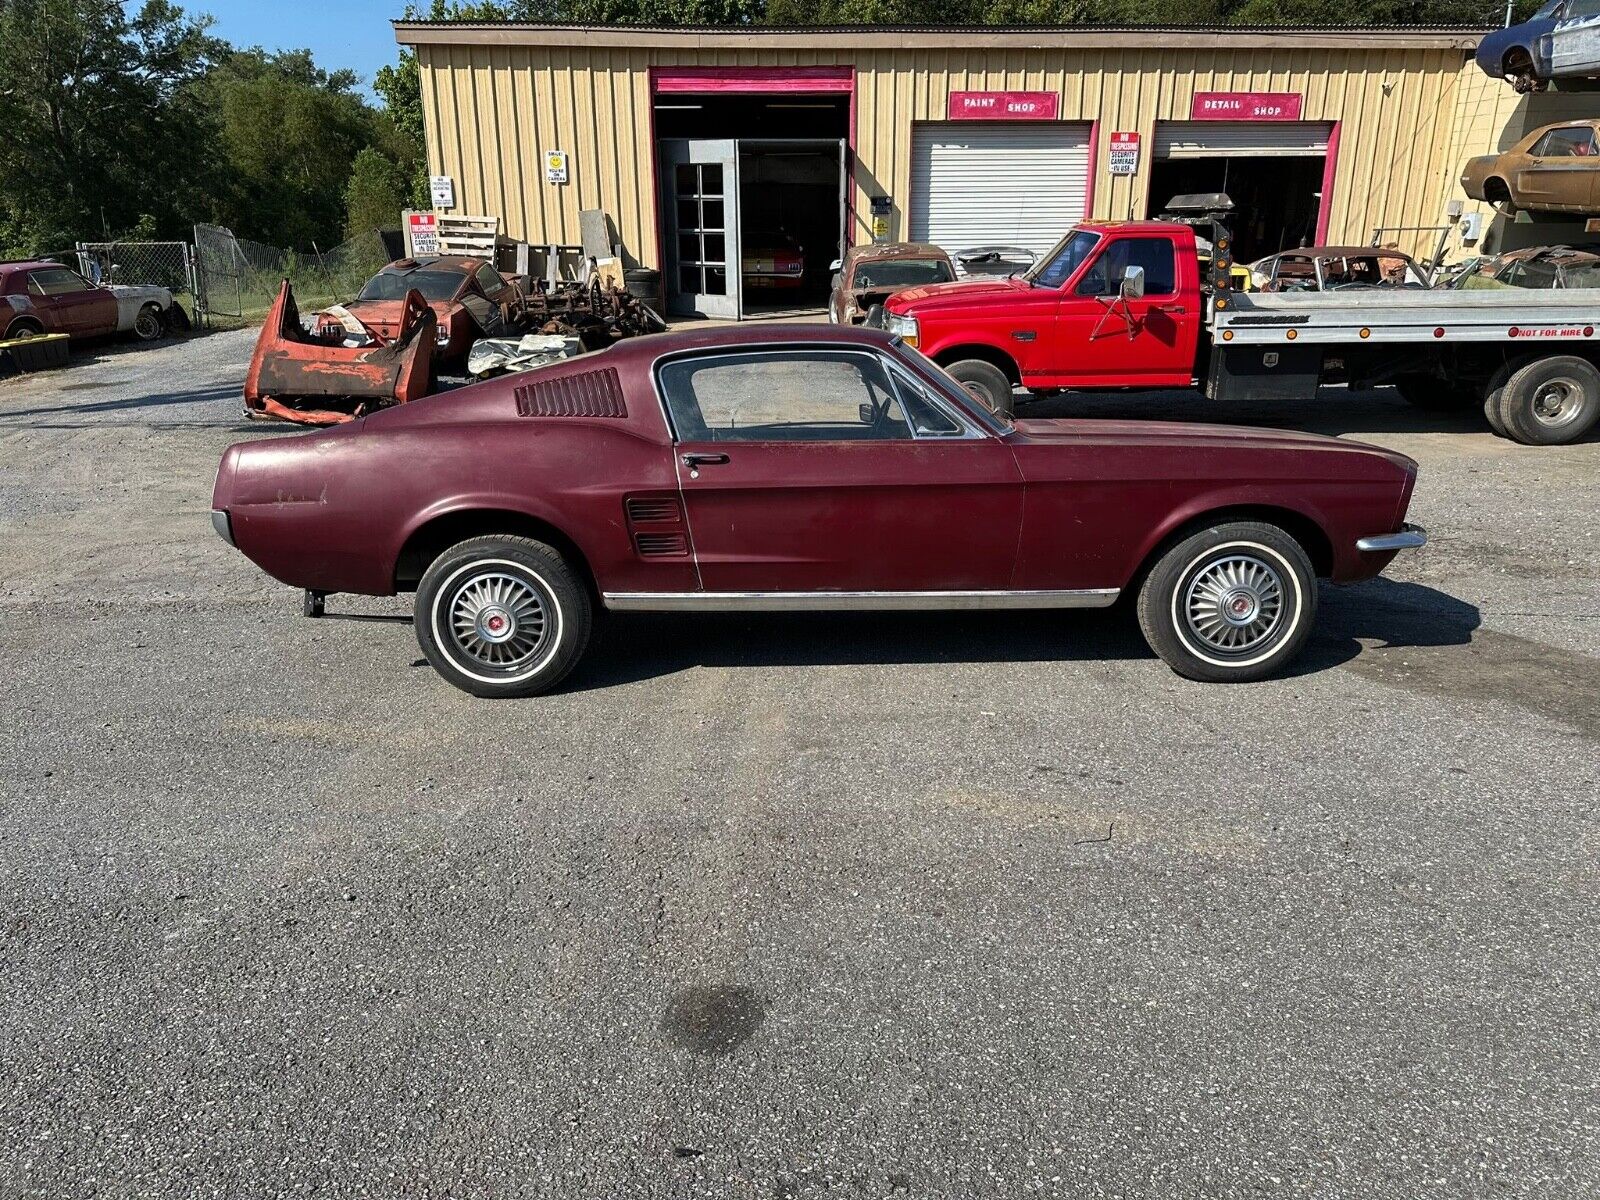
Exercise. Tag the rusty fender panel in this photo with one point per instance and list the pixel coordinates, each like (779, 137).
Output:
(289, 364)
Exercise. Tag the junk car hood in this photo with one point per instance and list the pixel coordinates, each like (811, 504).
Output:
(946, 295)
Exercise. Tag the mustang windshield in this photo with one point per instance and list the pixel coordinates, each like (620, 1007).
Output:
(393, 285)
(996, 422)
(1057, 267)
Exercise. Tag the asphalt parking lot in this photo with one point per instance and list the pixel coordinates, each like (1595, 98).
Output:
(934, 906)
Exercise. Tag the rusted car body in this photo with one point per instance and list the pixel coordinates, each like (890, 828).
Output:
(1556, 168)
(469, 297)
(870, 274)
(1534, 267)
(44, 297)
(311, 380)
(1560, 41)
(1330, 268)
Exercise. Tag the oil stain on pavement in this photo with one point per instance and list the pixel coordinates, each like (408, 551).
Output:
(713, 1020)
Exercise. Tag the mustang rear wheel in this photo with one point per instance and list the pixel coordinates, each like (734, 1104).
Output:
(502, 616)
(1231, 603)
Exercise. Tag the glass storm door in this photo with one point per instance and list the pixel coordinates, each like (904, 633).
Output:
(702, 224)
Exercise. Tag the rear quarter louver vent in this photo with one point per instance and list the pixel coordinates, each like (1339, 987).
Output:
(591, 394)
(645, 509)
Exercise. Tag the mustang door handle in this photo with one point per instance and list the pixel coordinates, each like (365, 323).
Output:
(704, 460)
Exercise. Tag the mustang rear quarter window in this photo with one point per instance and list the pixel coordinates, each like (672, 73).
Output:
(783, 396)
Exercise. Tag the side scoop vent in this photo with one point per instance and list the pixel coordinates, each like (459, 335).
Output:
(591, 394)
(644, 510)
(661, 545)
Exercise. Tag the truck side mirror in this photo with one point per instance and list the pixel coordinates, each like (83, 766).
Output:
(836, 264)
(1132, 283)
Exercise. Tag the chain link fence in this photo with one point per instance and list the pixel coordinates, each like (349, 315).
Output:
(165, 264)
(238, 279)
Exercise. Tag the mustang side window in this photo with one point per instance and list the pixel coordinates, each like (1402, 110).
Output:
(783, 396)
(1566, 143)
(60, 282)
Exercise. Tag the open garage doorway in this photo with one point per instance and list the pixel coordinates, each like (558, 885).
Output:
(752, 190)
(1276, 174)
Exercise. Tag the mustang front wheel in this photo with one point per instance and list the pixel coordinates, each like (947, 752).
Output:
(1231, 603)
(502, 616)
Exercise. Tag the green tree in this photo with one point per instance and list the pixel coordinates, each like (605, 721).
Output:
(101, 119)
(377, 191)
(290, 133)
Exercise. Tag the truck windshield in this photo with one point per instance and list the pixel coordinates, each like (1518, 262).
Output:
(1057, 267)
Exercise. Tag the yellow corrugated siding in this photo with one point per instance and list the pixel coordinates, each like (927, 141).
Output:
(492, 112)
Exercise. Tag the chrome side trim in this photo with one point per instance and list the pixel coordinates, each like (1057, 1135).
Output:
(864, 601)
(220, 522)
(1409, 538)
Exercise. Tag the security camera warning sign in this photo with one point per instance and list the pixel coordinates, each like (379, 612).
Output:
(1124, 154)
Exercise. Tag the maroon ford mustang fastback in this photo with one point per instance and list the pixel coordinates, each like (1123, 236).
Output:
(801, 467)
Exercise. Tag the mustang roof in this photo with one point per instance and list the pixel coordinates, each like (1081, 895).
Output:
(740, 337)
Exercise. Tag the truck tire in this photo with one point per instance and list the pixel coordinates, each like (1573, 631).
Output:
(985, 381)
(1231, 603)
(1430, 394)
(1492, 392)
(1550, 401)
(503, 616)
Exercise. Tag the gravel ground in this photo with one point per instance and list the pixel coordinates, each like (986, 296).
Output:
(933, 906)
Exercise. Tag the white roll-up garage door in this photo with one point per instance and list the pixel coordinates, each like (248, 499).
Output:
(975, 184)
(1240, 139)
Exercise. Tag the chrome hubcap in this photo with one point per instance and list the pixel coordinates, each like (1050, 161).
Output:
(1234, 603)
(1557, 402)
(498, 620)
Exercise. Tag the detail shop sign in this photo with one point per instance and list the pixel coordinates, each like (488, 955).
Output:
(1004, 106)
(1245, 106)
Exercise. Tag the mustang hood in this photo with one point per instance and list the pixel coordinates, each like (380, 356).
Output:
(1179, 434)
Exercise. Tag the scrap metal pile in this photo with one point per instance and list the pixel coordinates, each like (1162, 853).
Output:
(344, 367)
(592, 312)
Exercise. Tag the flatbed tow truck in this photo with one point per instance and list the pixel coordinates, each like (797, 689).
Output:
(1129, 305)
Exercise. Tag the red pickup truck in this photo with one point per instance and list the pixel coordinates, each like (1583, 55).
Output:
(1130, 304)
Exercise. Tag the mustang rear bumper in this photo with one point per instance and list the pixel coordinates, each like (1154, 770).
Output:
(1408, 538)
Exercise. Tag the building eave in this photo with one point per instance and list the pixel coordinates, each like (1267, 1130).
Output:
(865, 37)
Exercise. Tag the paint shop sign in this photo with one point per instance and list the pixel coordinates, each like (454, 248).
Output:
(1004, 106)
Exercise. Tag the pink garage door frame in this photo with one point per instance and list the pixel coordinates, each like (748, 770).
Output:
(753, 81)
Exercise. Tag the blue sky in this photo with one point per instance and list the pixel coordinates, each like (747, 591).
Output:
(349, 33)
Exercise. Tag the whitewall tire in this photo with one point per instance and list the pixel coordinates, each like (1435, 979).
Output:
(1231, 603)
(502, 616)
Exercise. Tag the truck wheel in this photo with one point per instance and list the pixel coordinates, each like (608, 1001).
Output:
(1231, 603)
(985, 381)
(1430, 394)
(1550, 401)
(502, 616)
(148, 325)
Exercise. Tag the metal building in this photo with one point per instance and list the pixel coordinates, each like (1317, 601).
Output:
(723, 156)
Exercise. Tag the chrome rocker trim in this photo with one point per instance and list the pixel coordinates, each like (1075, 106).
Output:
(869, 601)
(1409, 538)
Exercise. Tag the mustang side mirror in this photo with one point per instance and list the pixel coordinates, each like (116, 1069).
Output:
(868, 412)
(1132, 283)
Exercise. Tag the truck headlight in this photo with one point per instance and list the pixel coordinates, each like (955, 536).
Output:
(904, 328)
